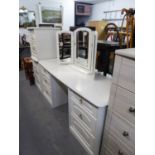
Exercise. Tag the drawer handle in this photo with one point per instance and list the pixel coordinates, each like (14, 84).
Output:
(120, 152)
(80, 115)
(132, 109)
(125, 134)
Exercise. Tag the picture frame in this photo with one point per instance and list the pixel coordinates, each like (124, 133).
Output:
(50, 15)
(26, 18)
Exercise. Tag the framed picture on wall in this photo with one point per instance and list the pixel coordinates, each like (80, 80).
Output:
(50, 15)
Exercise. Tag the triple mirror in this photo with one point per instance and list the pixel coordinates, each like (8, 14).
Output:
(77, 47)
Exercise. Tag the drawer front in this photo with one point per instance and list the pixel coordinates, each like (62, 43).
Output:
(117, 147)
(33, 37)
(83, 103)
(47, 93)
(37, 77)
(84, 118)
(44, 72)
(83, 133)
(127, 74)
(35, 64)
(33, 52)
(46, 83)
(36, 73)
(117, 66)
(124, 104)
(123, 130)
(33, 48)
(112, 96)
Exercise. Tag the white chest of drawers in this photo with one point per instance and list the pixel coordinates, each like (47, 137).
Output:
(119, 133)
(86, 122)
(54, 91)
(43, 43)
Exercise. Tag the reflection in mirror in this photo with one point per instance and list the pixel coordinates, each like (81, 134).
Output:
(85, 49)
(26, 18)
(82, 44)
(65, 46)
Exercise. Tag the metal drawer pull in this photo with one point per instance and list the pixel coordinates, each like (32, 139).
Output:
(132, 109)
(125, 134)
(80, 115)
(120, 152)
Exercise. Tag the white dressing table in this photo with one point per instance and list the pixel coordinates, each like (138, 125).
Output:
(87, 95)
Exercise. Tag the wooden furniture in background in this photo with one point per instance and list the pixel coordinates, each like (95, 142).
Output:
(130, 27)
(82, 13)
(99, 25)
(107, 47)
(28, 69)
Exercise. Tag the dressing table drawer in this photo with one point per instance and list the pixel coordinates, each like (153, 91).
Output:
(46, 82)
(48, 95)
(124, 73)
(85, 118)
(38, 82)
(117, 147)
(83, 135)
(123, 130)
(124, 104)
(35, 64)
(44, 72)
(83, 103)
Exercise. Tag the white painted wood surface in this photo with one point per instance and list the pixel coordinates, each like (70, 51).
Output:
(43, 43)
(94, 88)
(129, 52)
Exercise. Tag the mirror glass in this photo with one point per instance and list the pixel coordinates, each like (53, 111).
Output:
(64, 46)
(82, 44)
(26, 18)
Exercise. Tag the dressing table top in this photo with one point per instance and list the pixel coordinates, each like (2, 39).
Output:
(93, 87)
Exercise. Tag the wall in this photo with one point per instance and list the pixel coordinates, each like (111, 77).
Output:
(68, 14)
(68, 9)
(98, 9)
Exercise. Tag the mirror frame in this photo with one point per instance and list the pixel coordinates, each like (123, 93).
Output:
(70, 60)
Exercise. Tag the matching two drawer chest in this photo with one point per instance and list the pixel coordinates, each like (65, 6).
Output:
(86, 122)
(53, 90)
(119, 132)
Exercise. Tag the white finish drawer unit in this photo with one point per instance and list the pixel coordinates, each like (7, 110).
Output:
(119, 133)
(86, 122)
(87, 95)
(87, 107)
(54, 91)
(43, 43)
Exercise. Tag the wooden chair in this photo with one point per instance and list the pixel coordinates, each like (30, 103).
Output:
(28, 67)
